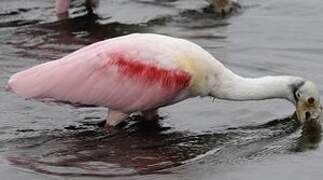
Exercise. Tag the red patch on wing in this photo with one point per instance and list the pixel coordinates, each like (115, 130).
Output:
(150, 73)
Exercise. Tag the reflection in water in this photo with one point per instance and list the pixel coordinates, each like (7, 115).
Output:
(310, 137)
(141, 148)
(65, 36)
(70, 33)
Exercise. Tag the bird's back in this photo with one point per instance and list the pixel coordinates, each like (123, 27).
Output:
(138, 71)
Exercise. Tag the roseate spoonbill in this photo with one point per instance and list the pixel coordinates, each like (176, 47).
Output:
(143, 72)
(61, 6)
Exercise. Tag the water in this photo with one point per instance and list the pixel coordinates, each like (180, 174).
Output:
(198, 138)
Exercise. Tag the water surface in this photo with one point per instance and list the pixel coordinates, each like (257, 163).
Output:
(197, 138)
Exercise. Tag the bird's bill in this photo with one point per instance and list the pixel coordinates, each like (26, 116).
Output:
(306, 111)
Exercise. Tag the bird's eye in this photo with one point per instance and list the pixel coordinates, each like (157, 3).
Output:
(311, 100)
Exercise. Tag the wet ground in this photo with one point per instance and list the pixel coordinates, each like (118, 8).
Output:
(197, 138)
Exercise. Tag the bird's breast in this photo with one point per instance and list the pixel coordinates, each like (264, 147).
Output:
(191, 65)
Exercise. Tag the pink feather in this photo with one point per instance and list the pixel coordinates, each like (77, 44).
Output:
(127, 74)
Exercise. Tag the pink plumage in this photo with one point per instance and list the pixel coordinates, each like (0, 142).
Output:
(133, 73)
(140, 73)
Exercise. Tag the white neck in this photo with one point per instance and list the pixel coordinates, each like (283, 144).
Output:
(234, 87)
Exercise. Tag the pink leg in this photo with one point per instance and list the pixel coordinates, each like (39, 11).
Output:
(114, 118)
(61, 6)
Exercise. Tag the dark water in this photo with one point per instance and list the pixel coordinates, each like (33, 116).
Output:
(198, 138)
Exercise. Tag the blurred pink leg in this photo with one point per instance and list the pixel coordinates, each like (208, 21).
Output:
(114, 118)
(62, 6)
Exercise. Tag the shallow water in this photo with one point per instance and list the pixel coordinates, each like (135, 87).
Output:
(197, 138)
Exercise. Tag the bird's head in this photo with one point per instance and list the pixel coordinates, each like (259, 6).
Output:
(307, 101)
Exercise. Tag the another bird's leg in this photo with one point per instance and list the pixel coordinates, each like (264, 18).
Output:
(90, 4)
(61, 6)
(150, 115)
(114, 118)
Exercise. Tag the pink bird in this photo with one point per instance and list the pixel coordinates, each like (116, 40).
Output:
(143, 72)
(62, 6)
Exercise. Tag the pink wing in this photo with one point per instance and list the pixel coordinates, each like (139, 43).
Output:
(103, 75)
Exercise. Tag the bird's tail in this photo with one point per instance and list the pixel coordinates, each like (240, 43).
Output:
(33, 82)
